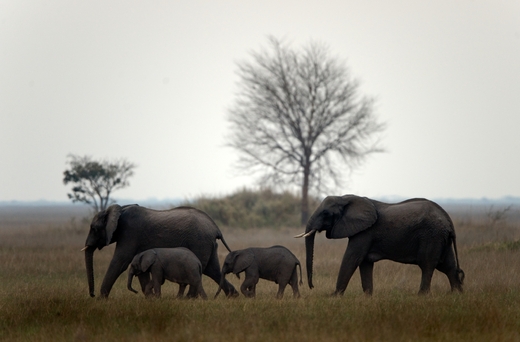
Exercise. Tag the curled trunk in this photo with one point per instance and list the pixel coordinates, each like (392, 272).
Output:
(89, 263)
(130, 278)
(221, 285)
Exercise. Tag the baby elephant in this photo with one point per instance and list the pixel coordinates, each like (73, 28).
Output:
(178, 265)
(275, 263)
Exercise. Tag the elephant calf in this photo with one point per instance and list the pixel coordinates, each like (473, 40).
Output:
(178, 265)
(275, 263)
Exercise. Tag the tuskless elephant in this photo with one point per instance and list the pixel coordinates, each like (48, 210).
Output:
(275, 263)
(135, 229)
(416, 231)
(178, 265)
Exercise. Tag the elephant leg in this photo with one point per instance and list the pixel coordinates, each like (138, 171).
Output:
(352, 258)
(426, 279)
(449, 267)
(281, 289)
(294, 284)
(192, 292)
(157, 279)
(148, 292)
(157, 289)
(118, 265)
(428, 260)
(182, 288)
(144, 280)
(201, 291)
(212, 270)
(248, 287)
(366, 270)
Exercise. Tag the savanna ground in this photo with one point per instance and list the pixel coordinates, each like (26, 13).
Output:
(44, 295)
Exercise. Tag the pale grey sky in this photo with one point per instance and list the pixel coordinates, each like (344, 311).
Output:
(151, 81)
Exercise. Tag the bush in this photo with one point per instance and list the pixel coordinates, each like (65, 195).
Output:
(254, 209)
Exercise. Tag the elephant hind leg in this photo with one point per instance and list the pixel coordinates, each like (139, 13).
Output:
(201, 292)
(426, 279)
(212, 270)
(182, 288)
(281, 289)
(294, 283)
(449, 267)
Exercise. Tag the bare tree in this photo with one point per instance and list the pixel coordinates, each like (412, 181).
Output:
(94, 181)
(297, 116)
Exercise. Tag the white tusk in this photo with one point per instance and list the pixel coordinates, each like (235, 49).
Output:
(84, 248)
(310, 233)
(306, 234)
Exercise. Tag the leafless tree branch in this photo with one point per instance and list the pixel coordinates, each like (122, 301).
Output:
(298, 117)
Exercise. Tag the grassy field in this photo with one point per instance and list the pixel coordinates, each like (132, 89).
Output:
(44, 295)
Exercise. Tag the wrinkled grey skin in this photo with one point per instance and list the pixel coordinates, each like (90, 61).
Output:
(135, 229)
(275, 263)
(178, 265)
(416, 231)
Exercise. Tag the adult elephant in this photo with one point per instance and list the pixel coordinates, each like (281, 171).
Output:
(136, 229)
(416, 231)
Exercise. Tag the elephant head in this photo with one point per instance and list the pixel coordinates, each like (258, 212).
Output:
(236, 262)
(102, 228)
(339, 217)
(140, 264)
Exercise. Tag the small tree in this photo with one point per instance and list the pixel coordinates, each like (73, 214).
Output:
(94, 181)
(297, 116)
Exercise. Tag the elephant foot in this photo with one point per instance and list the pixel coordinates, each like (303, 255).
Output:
(337, 293)
(233, 294)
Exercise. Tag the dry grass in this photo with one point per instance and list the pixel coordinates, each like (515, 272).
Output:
(44, 296)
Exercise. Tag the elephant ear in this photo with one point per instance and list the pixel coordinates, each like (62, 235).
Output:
(147, 260)
(114, 211)
(359, 213)
(242, 261)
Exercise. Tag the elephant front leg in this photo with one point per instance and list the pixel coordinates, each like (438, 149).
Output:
(351, 260)
(145, 281)
(148, 292)
(182, 288)
(117, 266)
(248, 287)
(157, 286)
(366, 270)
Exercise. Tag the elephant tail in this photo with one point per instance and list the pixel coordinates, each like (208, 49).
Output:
(460, 272)
(221, 238)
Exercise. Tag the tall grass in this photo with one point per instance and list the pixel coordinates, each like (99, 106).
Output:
(44, 295)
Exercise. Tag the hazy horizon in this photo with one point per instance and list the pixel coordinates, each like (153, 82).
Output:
(152, 83)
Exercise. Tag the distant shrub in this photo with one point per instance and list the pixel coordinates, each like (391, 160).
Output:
(498, 246)
(254, 209)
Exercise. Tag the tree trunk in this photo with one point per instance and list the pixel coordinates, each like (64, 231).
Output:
(305, 195)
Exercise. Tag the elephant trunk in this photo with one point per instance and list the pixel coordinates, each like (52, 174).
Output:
(221, 285)
(309, 250)
(89, 263)
(130, 278)
(310, 233)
